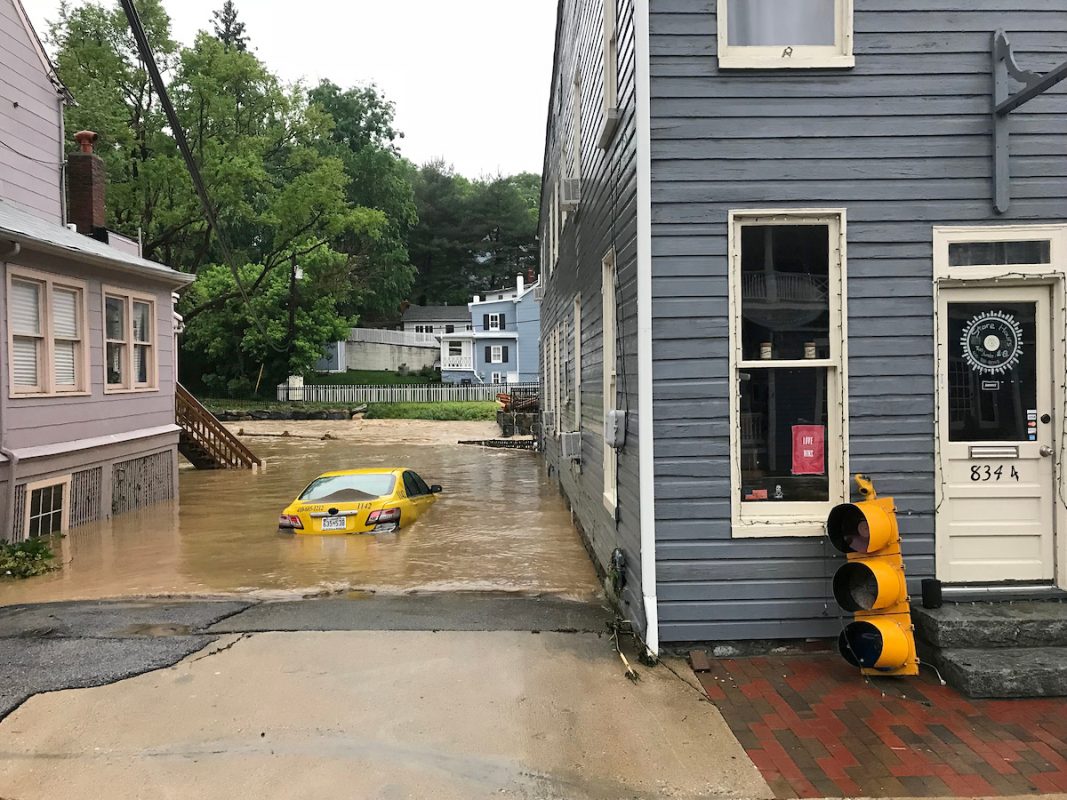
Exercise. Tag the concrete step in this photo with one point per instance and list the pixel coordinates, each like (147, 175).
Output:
(967, 626)
(1000, 672)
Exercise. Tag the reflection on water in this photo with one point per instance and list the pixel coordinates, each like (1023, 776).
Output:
(499, 525)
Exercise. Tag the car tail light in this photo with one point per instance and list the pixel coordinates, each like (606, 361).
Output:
(290, 521)
(384, 515)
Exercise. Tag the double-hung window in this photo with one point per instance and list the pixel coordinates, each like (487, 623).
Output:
(46, 327)
(496, 354)
(789, 406)
(495, 322)
(129, 342)
(784, 34)
(611, 75)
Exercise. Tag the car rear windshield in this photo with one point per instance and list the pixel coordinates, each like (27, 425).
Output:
(348, 488)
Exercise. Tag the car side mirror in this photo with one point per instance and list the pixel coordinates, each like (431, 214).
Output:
(436, 489)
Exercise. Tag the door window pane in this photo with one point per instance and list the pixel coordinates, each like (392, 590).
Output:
(992, 372)
(771, 23)
(785, 277)
(783, 435)
(995, 254)
(115, 315)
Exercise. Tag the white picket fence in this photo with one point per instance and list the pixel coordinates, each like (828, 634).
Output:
(411, 393)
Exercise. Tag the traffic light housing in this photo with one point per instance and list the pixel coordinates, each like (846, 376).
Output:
(871, 585)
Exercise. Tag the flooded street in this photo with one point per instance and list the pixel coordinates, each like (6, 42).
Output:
(500, 525)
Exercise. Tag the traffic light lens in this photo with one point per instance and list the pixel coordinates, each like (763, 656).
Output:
(878, 644)
(860, 644)
(855, 587)
(848, 528)
(869, 585)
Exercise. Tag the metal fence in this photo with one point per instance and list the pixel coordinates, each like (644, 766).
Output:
(411, 393)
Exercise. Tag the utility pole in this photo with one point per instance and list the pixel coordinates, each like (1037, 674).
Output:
(292, 325)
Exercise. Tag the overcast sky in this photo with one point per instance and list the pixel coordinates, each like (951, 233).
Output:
(469, 78)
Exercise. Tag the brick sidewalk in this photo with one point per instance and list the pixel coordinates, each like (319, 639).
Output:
(814, 727)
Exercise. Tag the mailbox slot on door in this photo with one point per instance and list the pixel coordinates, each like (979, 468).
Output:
(994, 451)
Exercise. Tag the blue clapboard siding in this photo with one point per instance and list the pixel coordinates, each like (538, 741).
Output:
(902, 141)
(606, 218)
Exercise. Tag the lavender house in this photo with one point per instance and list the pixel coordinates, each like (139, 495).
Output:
(87, 384)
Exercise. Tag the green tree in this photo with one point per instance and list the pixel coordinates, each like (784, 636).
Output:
(472, 235)
(228, 29)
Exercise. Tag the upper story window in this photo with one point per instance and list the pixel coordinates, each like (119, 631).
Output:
(494, 322)
(129, 342)
(46, 326)
(611, 74)
(785, 34)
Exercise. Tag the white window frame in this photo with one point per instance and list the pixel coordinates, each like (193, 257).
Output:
(554, 255)
(46, 384)
(496, 354)
(611, 59)
(772, 519)
(577, 351)
(64, 481)
(129, 384)
(839, 55)
(557, 380)
(609, 372)
(945, 235)
(498, 377)
(494, 322)
(576, 127)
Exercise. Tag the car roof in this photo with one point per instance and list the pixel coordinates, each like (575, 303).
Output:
(378, 471)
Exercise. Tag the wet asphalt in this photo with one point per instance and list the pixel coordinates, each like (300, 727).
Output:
(54, 646)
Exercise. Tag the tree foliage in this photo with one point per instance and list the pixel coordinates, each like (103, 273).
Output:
(312, 175)
(228, 29)
(472, 236)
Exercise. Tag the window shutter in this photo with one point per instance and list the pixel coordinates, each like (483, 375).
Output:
(503, 325)
(65, 314)
(25, 308)
(504, 357)
(24, 356)
(485, 322)
(488, 355)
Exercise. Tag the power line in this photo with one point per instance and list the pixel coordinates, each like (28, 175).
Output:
(210, 212)
(17, 152)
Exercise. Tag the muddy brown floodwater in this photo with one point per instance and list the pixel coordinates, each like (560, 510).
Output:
(499, 526)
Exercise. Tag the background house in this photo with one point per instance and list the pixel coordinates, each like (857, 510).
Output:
(768, 239)
(500, 343)
(87, 417)
(435, 319)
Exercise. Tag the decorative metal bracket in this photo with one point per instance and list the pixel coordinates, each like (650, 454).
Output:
(1005, 67)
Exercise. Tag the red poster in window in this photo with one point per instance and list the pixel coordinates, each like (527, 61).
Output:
(809, 449)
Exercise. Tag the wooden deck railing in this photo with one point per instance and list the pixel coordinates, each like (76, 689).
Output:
(205, 441)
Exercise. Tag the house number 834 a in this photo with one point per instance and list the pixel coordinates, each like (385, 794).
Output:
(988, 472)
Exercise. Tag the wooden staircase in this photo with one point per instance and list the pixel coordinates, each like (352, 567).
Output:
(205, 441)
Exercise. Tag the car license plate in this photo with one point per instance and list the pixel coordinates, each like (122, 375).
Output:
(334, 523)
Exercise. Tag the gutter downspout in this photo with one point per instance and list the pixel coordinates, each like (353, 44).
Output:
(7, 532)
(646, 459)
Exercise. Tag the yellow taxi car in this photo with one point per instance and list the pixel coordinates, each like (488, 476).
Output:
(359, 501)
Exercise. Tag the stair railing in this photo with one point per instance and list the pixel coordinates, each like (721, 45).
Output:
(203, 429)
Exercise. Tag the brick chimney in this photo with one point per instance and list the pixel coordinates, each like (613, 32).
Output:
(85, 188)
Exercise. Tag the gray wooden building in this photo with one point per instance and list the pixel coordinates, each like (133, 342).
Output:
(783, 243)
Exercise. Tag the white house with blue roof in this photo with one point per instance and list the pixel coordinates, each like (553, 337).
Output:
(502, 345)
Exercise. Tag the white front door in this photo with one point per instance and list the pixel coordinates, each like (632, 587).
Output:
(996, 435)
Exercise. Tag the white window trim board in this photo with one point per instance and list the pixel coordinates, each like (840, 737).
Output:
(765, 520)
(46, 374)
(577, 362)
(838, 56)
(609, 373)
(944, 235)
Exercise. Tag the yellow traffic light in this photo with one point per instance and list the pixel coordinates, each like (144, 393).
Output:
(871, 585)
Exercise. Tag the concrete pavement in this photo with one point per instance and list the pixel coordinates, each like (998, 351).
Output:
(381, 714)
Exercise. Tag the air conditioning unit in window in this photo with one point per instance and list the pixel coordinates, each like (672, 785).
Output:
(570, 193)
(571, 446)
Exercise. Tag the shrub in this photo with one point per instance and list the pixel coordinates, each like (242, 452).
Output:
(26, 559)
